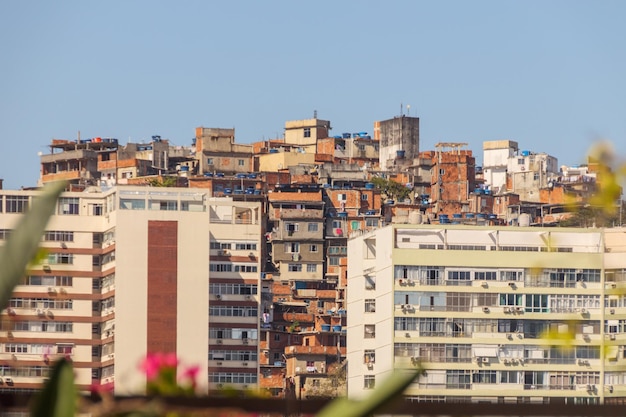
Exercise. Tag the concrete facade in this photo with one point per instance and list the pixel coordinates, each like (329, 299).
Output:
(492, 314)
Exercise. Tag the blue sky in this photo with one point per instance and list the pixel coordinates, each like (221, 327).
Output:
(548, 74)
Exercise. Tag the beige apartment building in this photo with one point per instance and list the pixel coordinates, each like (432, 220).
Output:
(135, 270)
(493, 314)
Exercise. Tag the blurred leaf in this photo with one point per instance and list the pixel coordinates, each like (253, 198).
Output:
(59, 395)
(23, 242)
(388, 391)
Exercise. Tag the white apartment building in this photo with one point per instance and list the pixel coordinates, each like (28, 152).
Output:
(132, 270)
(493, 314)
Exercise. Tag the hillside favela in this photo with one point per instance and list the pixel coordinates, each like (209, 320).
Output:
(315, 264)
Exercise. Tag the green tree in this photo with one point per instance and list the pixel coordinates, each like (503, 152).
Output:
(391, 189)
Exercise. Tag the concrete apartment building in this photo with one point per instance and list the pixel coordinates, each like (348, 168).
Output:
(135, 270)
(494, 314)
(399, 138)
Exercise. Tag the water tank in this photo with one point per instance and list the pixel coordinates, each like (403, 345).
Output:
(525, 153)
(469, 215)
(369, 186)
(457, 215)
(273, 150)
(337, 328)
(326, 327)
(524, 219)
(415, 217)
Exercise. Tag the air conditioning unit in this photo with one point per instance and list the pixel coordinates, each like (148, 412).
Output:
(509, 336)
(484, 284)
(583, 310)
(610, 388)
(245, 341)
(220, 385)
(407, 307)
(219, 341)
(244, 363)
(218, 296)
(612, 311)
(519, 310)
(52, 290)
(590, 387)
(369, 287)
(370, 366)
(485, 309)
(612, 336)
(218, 363)
(613, 285)
(407, 335)
(295, 257)
(506, 361)
(506, 309)
(511, 284)
(8, 380)
(484, 360)
(46, 268)
(41, 313)
(583, 362)
(401, 282)
(10, 335)
(10, 311)
(248, 297)
(62, 290)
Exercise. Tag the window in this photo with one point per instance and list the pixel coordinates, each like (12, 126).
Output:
(458, 379)
(307, 132)
(60, 258)
(291, 227)
(485, 276)
(369, 381)
(364, 197)
(292, 247)
(311, 268)
(132, 204)
(511, 299)
(370, 282)
(294, 267)
(370, 306)
(68, 205)
(484, 377)
(209, 161)
(58, 236)
(313, 227)
(369, 331)
(536, 303)
(16, 203)
(355, 225)
(312, 248)
(509, 377)
(333, 260)
(336, 224)
(369, 356)
(241, 162)
(520, 161)
(369, 222)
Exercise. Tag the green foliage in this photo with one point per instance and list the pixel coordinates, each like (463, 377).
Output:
(59, 396)
(391, 189)
(387, 392)
(162, 182)
(22, 245)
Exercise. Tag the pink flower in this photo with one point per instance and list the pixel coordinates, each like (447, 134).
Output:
(169, 360)
(191, 373)
(151, 365)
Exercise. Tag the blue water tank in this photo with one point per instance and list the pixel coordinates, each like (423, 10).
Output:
(346, 135)
(273, 150)
(369, 186)
(336, 328)
(493, 216)
(481, 215)
(469, 215)
(525, 153)
(457, 215)
(184, 168)
(326, 327)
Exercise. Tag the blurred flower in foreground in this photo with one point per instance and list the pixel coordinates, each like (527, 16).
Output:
(163, 378)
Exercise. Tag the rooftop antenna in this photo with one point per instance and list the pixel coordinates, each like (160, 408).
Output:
(408, 110)
(315, 114)
(401, 110)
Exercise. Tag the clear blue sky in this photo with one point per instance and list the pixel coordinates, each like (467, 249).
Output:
(548, 74)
